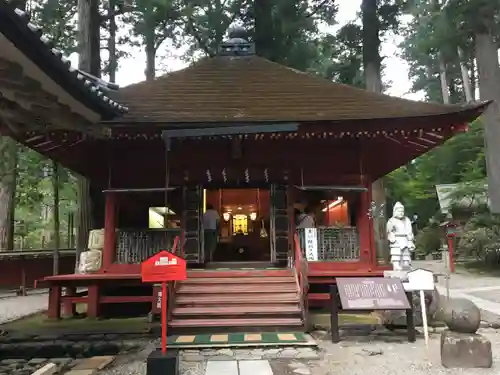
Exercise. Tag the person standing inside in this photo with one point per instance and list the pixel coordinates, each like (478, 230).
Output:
(306, 219)
(211, 220)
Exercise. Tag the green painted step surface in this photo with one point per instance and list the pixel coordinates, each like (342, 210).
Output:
(240, 339)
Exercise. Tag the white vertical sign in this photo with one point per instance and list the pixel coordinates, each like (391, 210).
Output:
(311, 239)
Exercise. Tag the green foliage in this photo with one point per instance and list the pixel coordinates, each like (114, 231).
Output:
(460, 159)
(428, 240)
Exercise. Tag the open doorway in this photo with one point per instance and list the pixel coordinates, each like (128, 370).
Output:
(243, 233)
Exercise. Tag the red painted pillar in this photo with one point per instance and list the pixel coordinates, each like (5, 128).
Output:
(365, 229)
(54, 311)
(109, 251)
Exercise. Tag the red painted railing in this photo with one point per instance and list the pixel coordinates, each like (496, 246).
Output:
(177, 249)
(300, 265)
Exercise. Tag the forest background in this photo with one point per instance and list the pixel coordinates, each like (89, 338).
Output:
(451, 48)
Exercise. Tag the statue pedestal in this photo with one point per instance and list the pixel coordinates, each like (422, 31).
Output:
(465, 350)
(403, 274)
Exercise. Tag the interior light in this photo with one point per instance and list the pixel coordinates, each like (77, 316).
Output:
(333, 204)
(226, 216)
(253, 216)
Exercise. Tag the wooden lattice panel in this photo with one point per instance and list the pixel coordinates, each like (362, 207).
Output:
(335, 244)
(135, 246)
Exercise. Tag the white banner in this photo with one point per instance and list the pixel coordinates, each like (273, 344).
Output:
(311, 239)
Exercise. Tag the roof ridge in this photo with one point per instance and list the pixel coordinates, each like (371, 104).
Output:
(89, 85)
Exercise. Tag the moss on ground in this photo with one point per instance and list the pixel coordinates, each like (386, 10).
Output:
(39, 323)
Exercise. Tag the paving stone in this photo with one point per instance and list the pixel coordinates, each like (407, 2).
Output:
(82, 372)
(48, 369)
(62, 361)
(193, 357)
(97, 363)
(302, 371)
(221, 358)
(245, 357)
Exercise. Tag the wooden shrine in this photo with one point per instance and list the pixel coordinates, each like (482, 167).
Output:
(258, 141)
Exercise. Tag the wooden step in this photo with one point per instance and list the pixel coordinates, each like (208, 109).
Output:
(286, 272)
(250, 298)
(237, 322)
(238, 288)
(237, 310)
(240, 280)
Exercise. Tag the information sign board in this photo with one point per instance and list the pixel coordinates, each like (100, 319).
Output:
(372, 293)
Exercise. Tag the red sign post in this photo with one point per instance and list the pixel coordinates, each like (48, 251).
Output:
(162, 268)
(451, 232)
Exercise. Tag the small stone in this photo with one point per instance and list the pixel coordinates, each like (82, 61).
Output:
(271, 351)
(9, 362)
(37, 361)
(465, 350)
(307, 355)
(227, 352)
(288, 353)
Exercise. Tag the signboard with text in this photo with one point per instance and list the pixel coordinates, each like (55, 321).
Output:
(311, 243)
(163, 267)
(372, 293)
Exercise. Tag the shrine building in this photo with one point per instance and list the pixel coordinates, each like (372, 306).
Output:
(258, 141)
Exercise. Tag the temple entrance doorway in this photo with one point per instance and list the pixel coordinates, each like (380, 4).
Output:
(243, 233)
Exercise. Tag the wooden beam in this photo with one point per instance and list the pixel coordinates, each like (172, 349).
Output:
(29, 95)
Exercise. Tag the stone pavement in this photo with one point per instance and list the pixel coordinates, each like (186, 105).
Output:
(12, 308)
(483, 290)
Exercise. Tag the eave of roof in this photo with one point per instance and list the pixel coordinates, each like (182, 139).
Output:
(28, 38)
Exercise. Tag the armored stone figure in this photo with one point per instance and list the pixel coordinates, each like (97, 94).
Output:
(401, 239)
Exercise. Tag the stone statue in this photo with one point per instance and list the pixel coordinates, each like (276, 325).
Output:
(401, 239)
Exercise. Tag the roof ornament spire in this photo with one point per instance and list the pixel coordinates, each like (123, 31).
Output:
(237, 44)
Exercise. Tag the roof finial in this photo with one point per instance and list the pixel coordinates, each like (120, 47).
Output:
(237, 44)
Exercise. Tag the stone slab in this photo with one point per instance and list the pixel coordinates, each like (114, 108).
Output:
(222, 368)
(255, 367)
(48, 369)
(97, 363)
(464, 350)
(82, 372)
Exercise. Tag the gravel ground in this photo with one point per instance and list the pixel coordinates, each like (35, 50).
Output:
(384, 354)
(362, 356)
(13, 308)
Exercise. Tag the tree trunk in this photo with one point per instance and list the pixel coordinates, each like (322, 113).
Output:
(113, 58)
(473, 77)
(445, 93)
(373, 81)
(264, 25)
(55, 217)
(8, 158)
(150, 56)
(90, 61)
(465, 76)
(89, 37)
(489, 89)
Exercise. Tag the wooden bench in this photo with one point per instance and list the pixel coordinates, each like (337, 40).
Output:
(93, 298)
